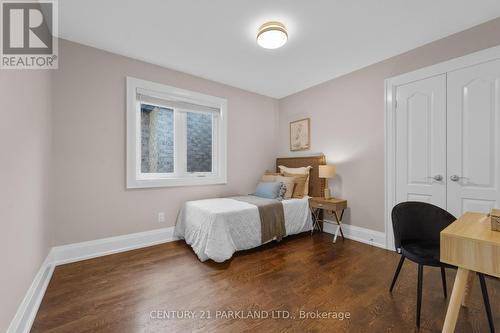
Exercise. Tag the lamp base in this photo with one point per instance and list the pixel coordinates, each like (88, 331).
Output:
(327, 194)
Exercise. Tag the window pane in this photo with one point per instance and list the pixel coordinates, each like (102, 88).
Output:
(157, 139)
(199, 142)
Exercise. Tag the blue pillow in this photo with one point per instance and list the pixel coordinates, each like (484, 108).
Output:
(268, 190)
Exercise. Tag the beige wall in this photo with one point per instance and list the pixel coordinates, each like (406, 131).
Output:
(347, 119)
(24, 174)
(91, 200)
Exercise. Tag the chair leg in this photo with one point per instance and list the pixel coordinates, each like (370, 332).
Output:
(443, 278)
(396, 274)
(486, 300)
(419, 291)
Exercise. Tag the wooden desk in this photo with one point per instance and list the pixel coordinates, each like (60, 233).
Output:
(471, 245)
(337, 206)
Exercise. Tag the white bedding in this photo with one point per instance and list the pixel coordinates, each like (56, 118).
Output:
(216, 228)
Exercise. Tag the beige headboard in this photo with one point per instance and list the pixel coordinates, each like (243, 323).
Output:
(316, 184)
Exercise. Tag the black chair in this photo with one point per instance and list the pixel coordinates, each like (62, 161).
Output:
(416, 236)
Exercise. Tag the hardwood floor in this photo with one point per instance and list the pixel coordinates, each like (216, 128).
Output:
(121, 292)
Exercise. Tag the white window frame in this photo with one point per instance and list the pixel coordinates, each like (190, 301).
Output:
(180, 176)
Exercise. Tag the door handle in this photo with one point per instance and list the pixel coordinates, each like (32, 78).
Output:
(454, 178)
(437, 178)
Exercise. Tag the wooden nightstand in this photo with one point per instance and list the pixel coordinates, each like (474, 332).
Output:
(319, 205)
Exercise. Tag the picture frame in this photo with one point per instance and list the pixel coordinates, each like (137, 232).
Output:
(300, 134)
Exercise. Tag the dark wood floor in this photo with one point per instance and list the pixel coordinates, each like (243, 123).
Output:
(118, 293)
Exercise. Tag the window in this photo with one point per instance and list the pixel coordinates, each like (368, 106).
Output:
(199, 142)
(157, 139)
(175, 137)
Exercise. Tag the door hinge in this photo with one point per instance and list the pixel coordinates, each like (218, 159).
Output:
(396, 104)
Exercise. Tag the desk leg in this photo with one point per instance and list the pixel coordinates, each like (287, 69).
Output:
(456, 300)
(339, 226)
(316, 217)
(321, 217)
(314, 220)
(336, 234)
(468, 289)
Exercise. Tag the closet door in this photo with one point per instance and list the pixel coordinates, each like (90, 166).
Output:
(473, 134)
(421, 141)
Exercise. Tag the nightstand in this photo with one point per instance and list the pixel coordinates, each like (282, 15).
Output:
(318, 207)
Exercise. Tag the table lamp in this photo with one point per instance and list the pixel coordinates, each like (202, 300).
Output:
(327, 171)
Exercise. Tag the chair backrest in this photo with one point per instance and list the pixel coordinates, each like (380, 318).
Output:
(416, 221)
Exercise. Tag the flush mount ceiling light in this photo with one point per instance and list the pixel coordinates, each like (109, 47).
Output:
(272, 35)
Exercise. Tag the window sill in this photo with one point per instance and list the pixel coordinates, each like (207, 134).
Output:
(175, 182)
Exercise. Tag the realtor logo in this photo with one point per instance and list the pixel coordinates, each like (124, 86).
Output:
(27, 34)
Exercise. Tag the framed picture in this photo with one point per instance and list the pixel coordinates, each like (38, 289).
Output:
(300, 135)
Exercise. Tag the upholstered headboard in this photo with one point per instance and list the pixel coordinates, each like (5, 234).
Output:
(316, 184)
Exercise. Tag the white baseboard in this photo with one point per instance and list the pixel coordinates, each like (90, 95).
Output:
(64, 254)
(101, 247)
(363, 235)
(28, 308)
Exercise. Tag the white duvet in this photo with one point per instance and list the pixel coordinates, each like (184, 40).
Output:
(216, 228)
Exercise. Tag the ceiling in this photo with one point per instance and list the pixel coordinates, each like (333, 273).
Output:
(216, 39)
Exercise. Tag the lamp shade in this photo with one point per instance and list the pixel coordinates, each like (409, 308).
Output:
(327, 171)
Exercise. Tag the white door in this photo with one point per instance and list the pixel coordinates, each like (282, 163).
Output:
(421, 141)
(473, 138)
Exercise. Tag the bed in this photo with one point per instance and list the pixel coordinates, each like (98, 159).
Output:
(217, 228)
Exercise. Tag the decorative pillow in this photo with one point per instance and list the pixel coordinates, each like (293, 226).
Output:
(268, 178)
(268, 190)
(300, 183)
(298, 171)
(282, 191)
(270, 173)
(289, 183)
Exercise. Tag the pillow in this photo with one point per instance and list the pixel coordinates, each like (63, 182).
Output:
(298, 171)
(300, 183)
(281, 196)
(268, 178)
(270, 173)
(268, 190)
(289, 183)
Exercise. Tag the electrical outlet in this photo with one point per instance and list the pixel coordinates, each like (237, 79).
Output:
(161, 217)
